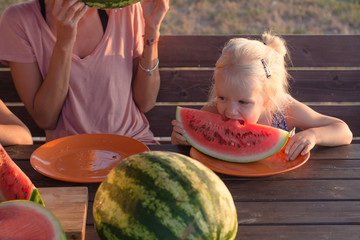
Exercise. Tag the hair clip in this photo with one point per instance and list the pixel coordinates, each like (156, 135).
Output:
(266, 68)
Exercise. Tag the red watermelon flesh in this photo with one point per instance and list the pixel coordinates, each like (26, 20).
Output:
(26, 220)
(230, 140)
(14, 184)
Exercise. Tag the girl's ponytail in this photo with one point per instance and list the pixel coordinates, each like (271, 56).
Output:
(276, 43)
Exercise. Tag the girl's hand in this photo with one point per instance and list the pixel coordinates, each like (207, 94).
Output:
(67, 14)
(154, 12)
(177, 134)
(300, 143)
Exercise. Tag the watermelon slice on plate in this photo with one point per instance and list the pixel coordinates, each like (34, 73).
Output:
(230, 140)
(26, 220)
(14, 184)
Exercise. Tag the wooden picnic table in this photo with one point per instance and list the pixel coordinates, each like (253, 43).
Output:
(319, 200)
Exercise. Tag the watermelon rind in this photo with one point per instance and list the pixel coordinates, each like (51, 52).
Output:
(163, 195)
(206, 148)
(109, 4)
(35, 197)
(57, 227)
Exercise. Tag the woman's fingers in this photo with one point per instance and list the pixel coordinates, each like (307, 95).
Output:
(69, 11)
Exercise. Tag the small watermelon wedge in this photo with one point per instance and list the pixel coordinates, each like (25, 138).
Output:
(14, 184)
(230, 140)
(26, 220)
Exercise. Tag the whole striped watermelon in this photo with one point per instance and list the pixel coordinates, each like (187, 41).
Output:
(109, 4)
(163, 195)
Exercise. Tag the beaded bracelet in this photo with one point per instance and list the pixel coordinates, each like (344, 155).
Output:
(150, 42)
(149, 70)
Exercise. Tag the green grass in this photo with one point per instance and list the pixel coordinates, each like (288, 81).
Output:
(257, 16)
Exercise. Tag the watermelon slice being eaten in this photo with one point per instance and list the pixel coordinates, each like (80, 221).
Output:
(14, 184)
(230, 140)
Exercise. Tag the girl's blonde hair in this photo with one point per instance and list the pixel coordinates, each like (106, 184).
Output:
(243, 57)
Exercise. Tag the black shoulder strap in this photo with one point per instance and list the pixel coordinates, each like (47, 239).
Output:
(104, 18)
(42, 9)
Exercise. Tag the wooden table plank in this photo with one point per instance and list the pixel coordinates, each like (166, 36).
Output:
(299, 232)
(296, 232)
(299, 213)
(347, 152)
(300, 190)
(313, 169)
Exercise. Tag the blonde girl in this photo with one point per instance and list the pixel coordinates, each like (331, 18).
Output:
(251, 84)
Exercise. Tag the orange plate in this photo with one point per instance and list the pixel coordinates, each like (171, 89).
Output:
(83, 158)
(266, 167)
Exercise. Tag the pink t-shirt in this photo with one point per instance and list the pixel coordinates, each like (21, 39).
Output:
(100, 94)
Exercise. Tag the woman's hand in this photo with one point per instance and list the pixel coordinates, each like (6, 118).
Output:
(300, 143)
(67, 14)
(154, 12)
(177, 134)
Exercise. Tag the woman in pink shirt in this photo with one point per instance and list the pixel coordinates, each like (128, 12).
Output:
(82, 70)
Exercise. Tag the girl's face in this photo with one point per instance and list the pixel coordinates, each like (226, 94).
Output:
(239, 101)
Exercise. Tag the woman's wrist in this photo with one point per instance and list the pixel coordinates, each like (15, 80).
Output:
(151, 35)
(149, 70)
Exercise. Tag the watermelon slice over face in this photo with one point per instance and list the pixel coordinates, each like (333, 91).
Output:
(230, 140)
(109, 4)
(26, 220)
(14, 184)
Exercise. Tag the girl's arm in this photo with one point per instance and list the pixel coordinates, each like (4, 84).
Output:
(146, 84)
(12, 130)
(44, 98)
(316, 129)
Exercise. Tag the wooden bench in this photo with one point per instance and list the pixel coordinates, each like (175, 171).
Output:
(325, 70)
